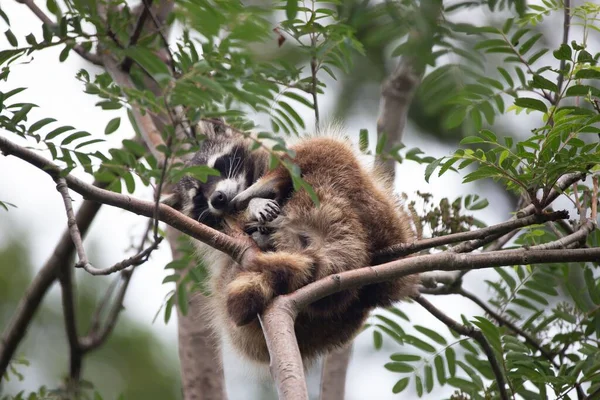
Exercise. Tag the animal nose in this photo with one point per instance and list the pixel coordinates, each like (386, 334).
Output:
(218, 200)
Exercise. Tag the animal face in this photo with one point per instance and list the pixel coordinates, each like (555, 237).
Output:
(208, 202)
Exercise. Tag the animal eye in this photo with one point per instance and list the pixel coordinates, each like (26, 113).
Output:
(222, 164)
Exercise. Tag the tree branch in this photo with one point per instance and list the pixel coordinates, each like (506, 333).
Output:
(67, 285)
(63, 189)
(280, 315)
(404, 249)
(97, 337)
(199, 351)
(473, 333)
(139, 27)
(147, 128)
(237, 248)
(31, 300)
(565, 41)
(333, 377)
(91, 57)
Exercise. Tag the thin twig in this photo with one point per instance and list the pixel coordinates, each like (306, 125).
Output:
(98, 337)
(503, 321)
(594, 214)
(95, 323)
(473, 333)
(528, 338)
(137, 32)
(478, 237)
(84, 263)
(91, 57)
(134, 261)
(150, 134)
(562, 243)
(565, 41)
(63, 189)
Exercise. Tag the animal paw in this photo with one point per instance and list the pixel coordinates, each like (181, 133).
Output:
(263, 210)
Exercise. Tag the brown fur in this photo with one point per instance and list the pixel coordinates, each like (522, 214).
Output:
(357, 216)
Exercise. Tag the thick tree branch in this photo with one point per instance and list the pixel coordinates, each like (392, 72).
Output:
(91, 57)
(333, 377)
(286, 364)
(473, 333)
(236, 248)
(202, 368)
(279, 316)
(397, 93)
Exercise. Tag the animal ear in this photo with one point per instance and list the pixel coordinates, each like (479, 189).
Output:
(214, 129)
(173, 200)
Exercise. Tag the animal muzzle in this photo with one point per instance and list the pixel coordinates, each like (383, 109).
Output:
(219, 200)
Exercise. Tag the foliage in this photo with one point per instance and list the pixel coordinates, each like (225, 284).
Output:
(251, 63)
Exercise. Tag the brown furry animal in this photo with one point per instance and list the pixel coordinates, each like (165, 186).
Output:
(357, 216)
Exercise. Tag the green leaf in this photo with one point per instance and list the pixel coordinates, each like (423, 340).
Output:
(292, 113)
(456, 117)
(169, 309)
(40, 124)
(587, 74)
(182, 299)
(451, 360)
(471, 140)
(363, 140)
(377, 339)
(439, 369)
(112, 125)
(64, 53)
(71, 138)
(563, 53)
(171, 278)
(533, 104)
(540, 82)
(431, 167)
(11, 38)
(529, 43)
(291, 9)
(431, 334)
(419, 385)
(199, 172)
(419, 344)
(53, 7)
(490, 331)
(399, 367)
(405, 357)
(400, 385)
(428, 378)
(150, 62)
(510, 281)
